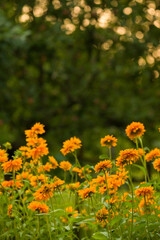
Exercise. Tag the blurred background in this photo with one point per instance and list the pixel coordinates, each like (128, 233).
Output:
(84, 68)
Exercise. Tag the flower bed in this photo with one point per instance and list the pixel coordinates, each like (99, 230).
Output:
(98, 202)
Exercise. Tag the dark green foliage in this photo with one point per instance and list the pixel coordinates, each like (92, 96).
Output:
(89, 83)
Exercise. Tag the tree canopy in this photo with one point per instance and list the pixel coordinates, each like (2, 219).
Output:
(83, 68)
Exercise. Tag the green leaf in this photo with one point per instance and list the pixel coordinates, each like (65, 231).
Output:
(146, 149)
(103, 156)
(67, 228)
(116, 220)
(88, 167)
(141, 167)
(100, 235)
(42, 214)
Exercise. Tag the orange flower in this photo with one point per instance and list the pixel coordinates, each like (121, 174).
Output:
(3, 156)
(83, 172)
(144, 191)
(124, 197)
(41, 207)
(9, 211)
(102, 215)
(122, 175)
(135, 130)
(100, 180)
(12, 165)
(114, 181)
(74, 186)
(38, 152)
(35, 142)
(47, 167)
(113, 200)
(84, 212)
(54, 162)
(36, 129)
(10, 184)
(36, 147)
(103, 165)
(76, 169)
(44, 193)
(64, 220)
(69, 209)
(34, 180)
(103, 189)
(30, 134)
(71, 145)
(65, 165)
(86, 192)
(108, 141)
(57, 183)
(25, 151)
(71, 212)
(7, 183)
(127, 157)
(152, 155)
(156, 164)
(143, 203)
(24, 175)
(141, 151)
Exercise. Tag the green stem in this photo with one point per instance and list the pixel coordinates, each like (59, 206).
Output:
(71, 176)
(110, 153)
(149, 237)
(131, 188)
(79, 165)
(38, 226)
(144, 161)
(76, 202)
(65, 176)
(1, 173)
(139, 153)
(15, 229)
(76, 177)
(49, 231)
(52, 207)
(24, 206)
(13, 179)
(76, 159)
(108, 204)
(13, 188)
(106, 185)
(93, 207)
(108, 228)
(121, 231)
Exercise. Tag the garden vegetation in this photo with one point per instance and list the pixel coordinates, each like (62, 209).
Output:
(87, 202)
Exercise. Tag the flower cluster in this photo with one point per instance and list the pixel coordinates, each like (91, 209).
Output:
(71, 145)
(37, 206)
(127, 157)
(144, 191)
(93, 198)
